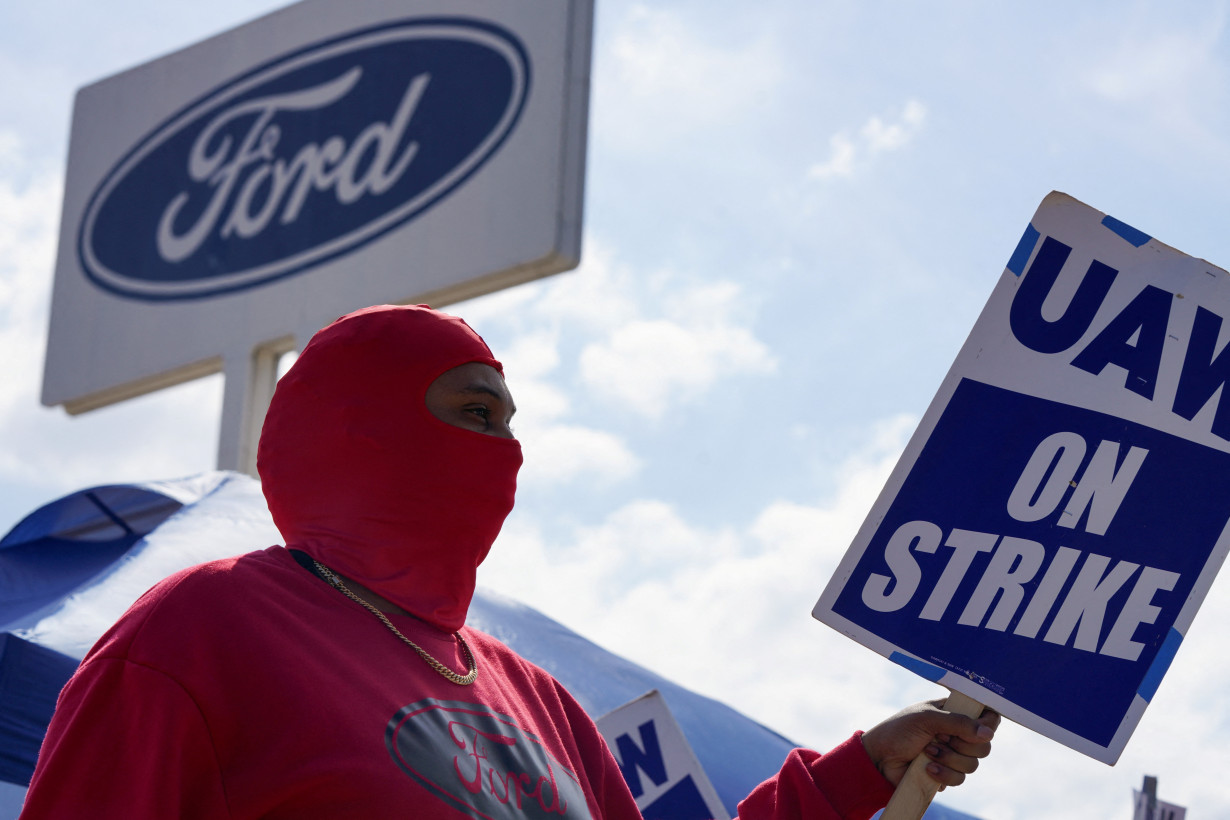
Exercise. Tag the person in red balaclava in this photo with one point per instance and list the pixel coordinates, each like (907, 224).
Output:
(334, 677)
(361, 475)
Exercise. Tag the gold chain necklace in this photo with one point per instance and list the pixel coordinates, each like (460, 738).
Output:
(471, 674)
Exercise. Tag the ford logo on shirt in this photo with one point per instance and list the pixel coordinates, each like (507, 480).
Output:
(304, 159)
(482, 763)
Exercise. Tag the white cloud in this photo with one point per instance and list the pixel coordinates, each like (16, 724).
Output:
(10, 151)
(667, 79)
(601, 294)
(1153, 67)
(534, 354)
(650, 363)
(651, 366)
(710, 304)
(1160, 82)
(42, 447)
(29, 205)
(647, 341)
(665, 543)
(842, 153)
(561, 453)
(847, 153)
(881, 136)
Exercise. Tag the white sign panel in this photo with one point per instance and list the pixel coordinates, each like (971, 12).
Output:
(337, 153)
(1161, 810)
(658, 764)
(1059, 515)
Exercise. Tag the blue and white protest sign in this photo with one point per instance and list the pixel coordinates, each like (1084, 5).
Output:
(1059, 514)
(659, 766)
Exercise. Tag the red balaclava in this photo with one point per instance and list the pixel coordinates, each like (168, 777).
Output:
(361, 476)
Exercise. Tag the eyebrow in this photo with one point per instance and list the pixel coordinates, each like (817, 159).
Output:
(487, 391)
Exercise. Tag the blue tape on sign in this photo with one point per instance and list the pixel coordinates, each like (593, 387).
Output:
(926, 670)
(1023, 249)
(1161, 662)
(1135, 237)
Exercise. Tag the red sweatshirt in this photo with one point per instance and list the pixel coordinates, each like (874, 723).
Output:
(249, 688)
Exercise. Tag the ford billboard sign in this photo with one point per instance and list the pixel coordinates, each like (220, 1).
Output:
(225, 201)
(304, 158)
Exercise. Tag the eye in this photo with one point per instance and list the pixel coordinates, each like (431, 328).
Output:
(481, 411)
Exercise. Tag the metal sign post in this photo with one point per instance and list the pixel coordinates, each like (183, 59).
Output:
(250, 378)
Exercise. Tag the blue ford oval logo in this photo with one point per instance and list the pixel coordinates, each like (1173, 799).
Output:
(304, 159)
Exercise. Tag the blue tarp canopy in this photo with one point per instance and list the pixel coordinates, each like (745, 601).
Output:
(62, 546)
(30, 678)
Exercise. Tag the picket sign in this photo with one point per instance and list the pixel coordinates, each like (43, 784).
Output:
(1161, 810)
(1061, 511)
(657, 762)
(917, 788)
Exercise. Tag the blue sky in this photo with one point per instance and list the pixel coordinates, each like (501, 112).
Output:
(794, 212)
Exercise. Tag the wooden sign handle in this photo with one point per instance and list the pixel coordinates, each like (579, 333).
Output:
(916, 789)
